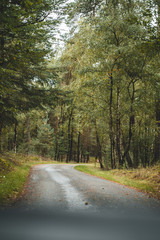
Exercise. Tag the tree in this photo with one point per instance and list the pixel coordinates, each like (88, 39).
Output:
(111, 57)
(24, 45)
(44, 143)
(24, 49)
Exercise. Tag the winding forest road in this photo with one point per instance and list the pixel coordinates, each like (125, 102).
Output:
(62, 187)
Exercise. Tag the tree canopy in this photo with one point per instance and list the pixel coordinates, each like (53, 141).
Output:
(99, 96)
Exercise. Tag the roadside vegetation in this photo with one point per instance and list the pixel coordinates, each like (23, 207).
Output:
(14, 170)
(146, 180)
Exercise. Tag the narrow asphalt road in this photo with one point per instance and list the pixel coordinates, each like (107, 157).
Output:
(63, 204)
(64, 188)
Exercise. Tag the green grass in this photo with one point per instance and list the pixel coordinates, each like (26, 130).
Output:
(12, 184)
(14, 170)
(146, 180)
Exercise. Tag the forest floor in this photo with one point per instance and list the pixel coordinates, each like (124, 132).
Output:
(146, 180)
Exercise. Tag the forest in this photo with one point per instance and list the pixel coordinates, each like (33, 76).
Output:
(89, 94)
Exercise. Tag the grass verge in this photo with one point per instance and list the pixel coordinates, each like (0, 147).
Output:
(146, 180)
(14, 170)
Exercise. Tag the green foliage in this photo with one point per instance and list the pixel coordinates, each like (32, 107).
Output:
(111, 66)
(24, 46)
(4, 165)
(44, 144)
(106, 100)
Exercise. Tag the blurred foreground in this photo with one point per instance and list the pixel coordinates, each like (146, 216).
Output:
(16, 224)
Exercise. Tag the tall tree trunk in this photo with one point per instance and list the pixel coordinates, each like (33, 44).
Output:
(28, 133)
(111, 120)
(127, 146)
(146, 162)
(82, 156)
(135, 142)
(78, 146)
(157, 102)
(15, 137)
(56, 131)
(118, 131)
(56, 150)
(126, 154)
(157, 134)
(135, 153)
(88, 149)
(0, 139)
(99, 148)
(71, 145)
(69, 151)
(131, 123)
